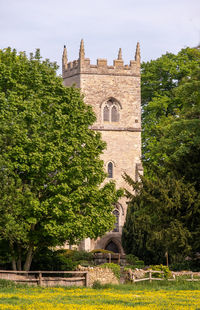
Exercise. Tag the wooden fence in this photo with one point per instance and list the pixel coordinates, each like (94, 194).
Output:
(150, 277)
(42, 278)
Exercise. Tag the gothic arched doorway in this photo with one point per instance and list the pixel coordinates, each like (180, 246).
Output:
(111, 246)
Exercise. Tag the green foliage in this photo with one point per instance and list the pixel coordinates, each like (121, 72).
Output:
(7, 284)
(171, 115)
(97, 285)
(192, 264)
(165, 269)
(114, 267)
(50, 167)
(5, 256)
(134, 261)
(164, 217)
(82, 256)
(48, 259)
(160, 218)
(101, 251)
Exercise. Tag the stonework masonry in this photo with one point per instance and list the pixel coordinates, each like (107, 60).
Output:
(114, 94)
(103, 275)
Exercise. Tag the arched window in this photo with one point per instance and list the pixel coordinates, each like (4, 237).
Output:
(106, 114)
(111, 111)
(114, 114)
(116, 214)
(110, 170)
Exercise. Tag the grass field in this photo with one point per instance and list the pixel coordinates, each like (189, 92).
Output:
(152, 296)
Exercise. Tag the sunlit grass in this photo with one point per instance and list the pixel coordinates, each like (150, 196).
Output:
(165, 295)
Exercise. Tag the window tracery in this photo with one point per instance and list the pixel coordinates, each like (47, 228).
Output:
(106, 114)
(110, 170)
(114, 114)
(116, 214)
(111, 111)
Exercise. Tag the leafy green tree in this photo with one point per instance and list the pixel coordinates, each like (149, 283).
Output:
(167, 89)
(161, 218)
(176, 142)
(50, 167)
(180, 141)
(164, 215)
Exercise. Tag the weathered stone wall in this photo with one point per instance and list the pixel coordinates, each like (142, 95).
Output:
(97, 89)
(74, 80)
(103, 275)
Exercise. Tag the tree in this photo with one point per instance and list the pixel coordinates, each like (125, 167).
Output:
(50, 167)
(180, 141)
(167, 88)
(161, 218)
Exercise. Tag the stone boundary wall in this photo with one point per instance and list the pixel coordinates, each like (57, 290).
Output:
(103, 275)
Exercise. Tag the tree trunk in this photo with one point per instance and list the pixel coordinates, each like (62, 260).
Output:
(19, 260)
(29, 257)
(14, 267)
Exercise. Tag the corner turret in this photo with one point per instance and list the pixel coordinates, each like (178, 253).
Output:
(120, 54)
(81, 53)
(64, 59)
(137, 53)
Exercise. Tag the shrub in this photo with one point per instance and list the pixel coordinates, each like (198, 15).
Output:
(65, 263)
(165, 269)
(101, 251)
(82, 256)
(134, 261)
(114, 267)
(97, 285)
(192, 265)
(49, 259)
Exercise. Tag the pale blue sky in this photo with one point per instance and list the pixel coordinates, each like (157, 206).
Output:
(105, 25)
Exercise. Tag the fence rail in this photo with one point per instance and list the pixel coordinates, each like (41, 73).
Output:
(40, 278)
(150, 278)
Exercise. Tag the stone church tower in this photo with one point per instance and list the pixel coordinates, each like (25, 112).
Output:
(114, 94)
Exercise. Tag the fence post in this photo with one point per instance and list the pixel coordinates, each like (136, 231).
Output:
(109, 257)
(150, 278)
(40, 278)
(192, 276)
(86, 279)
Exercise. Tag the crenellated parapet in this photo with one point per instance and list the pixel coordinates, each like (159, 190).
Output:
(83, 66)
